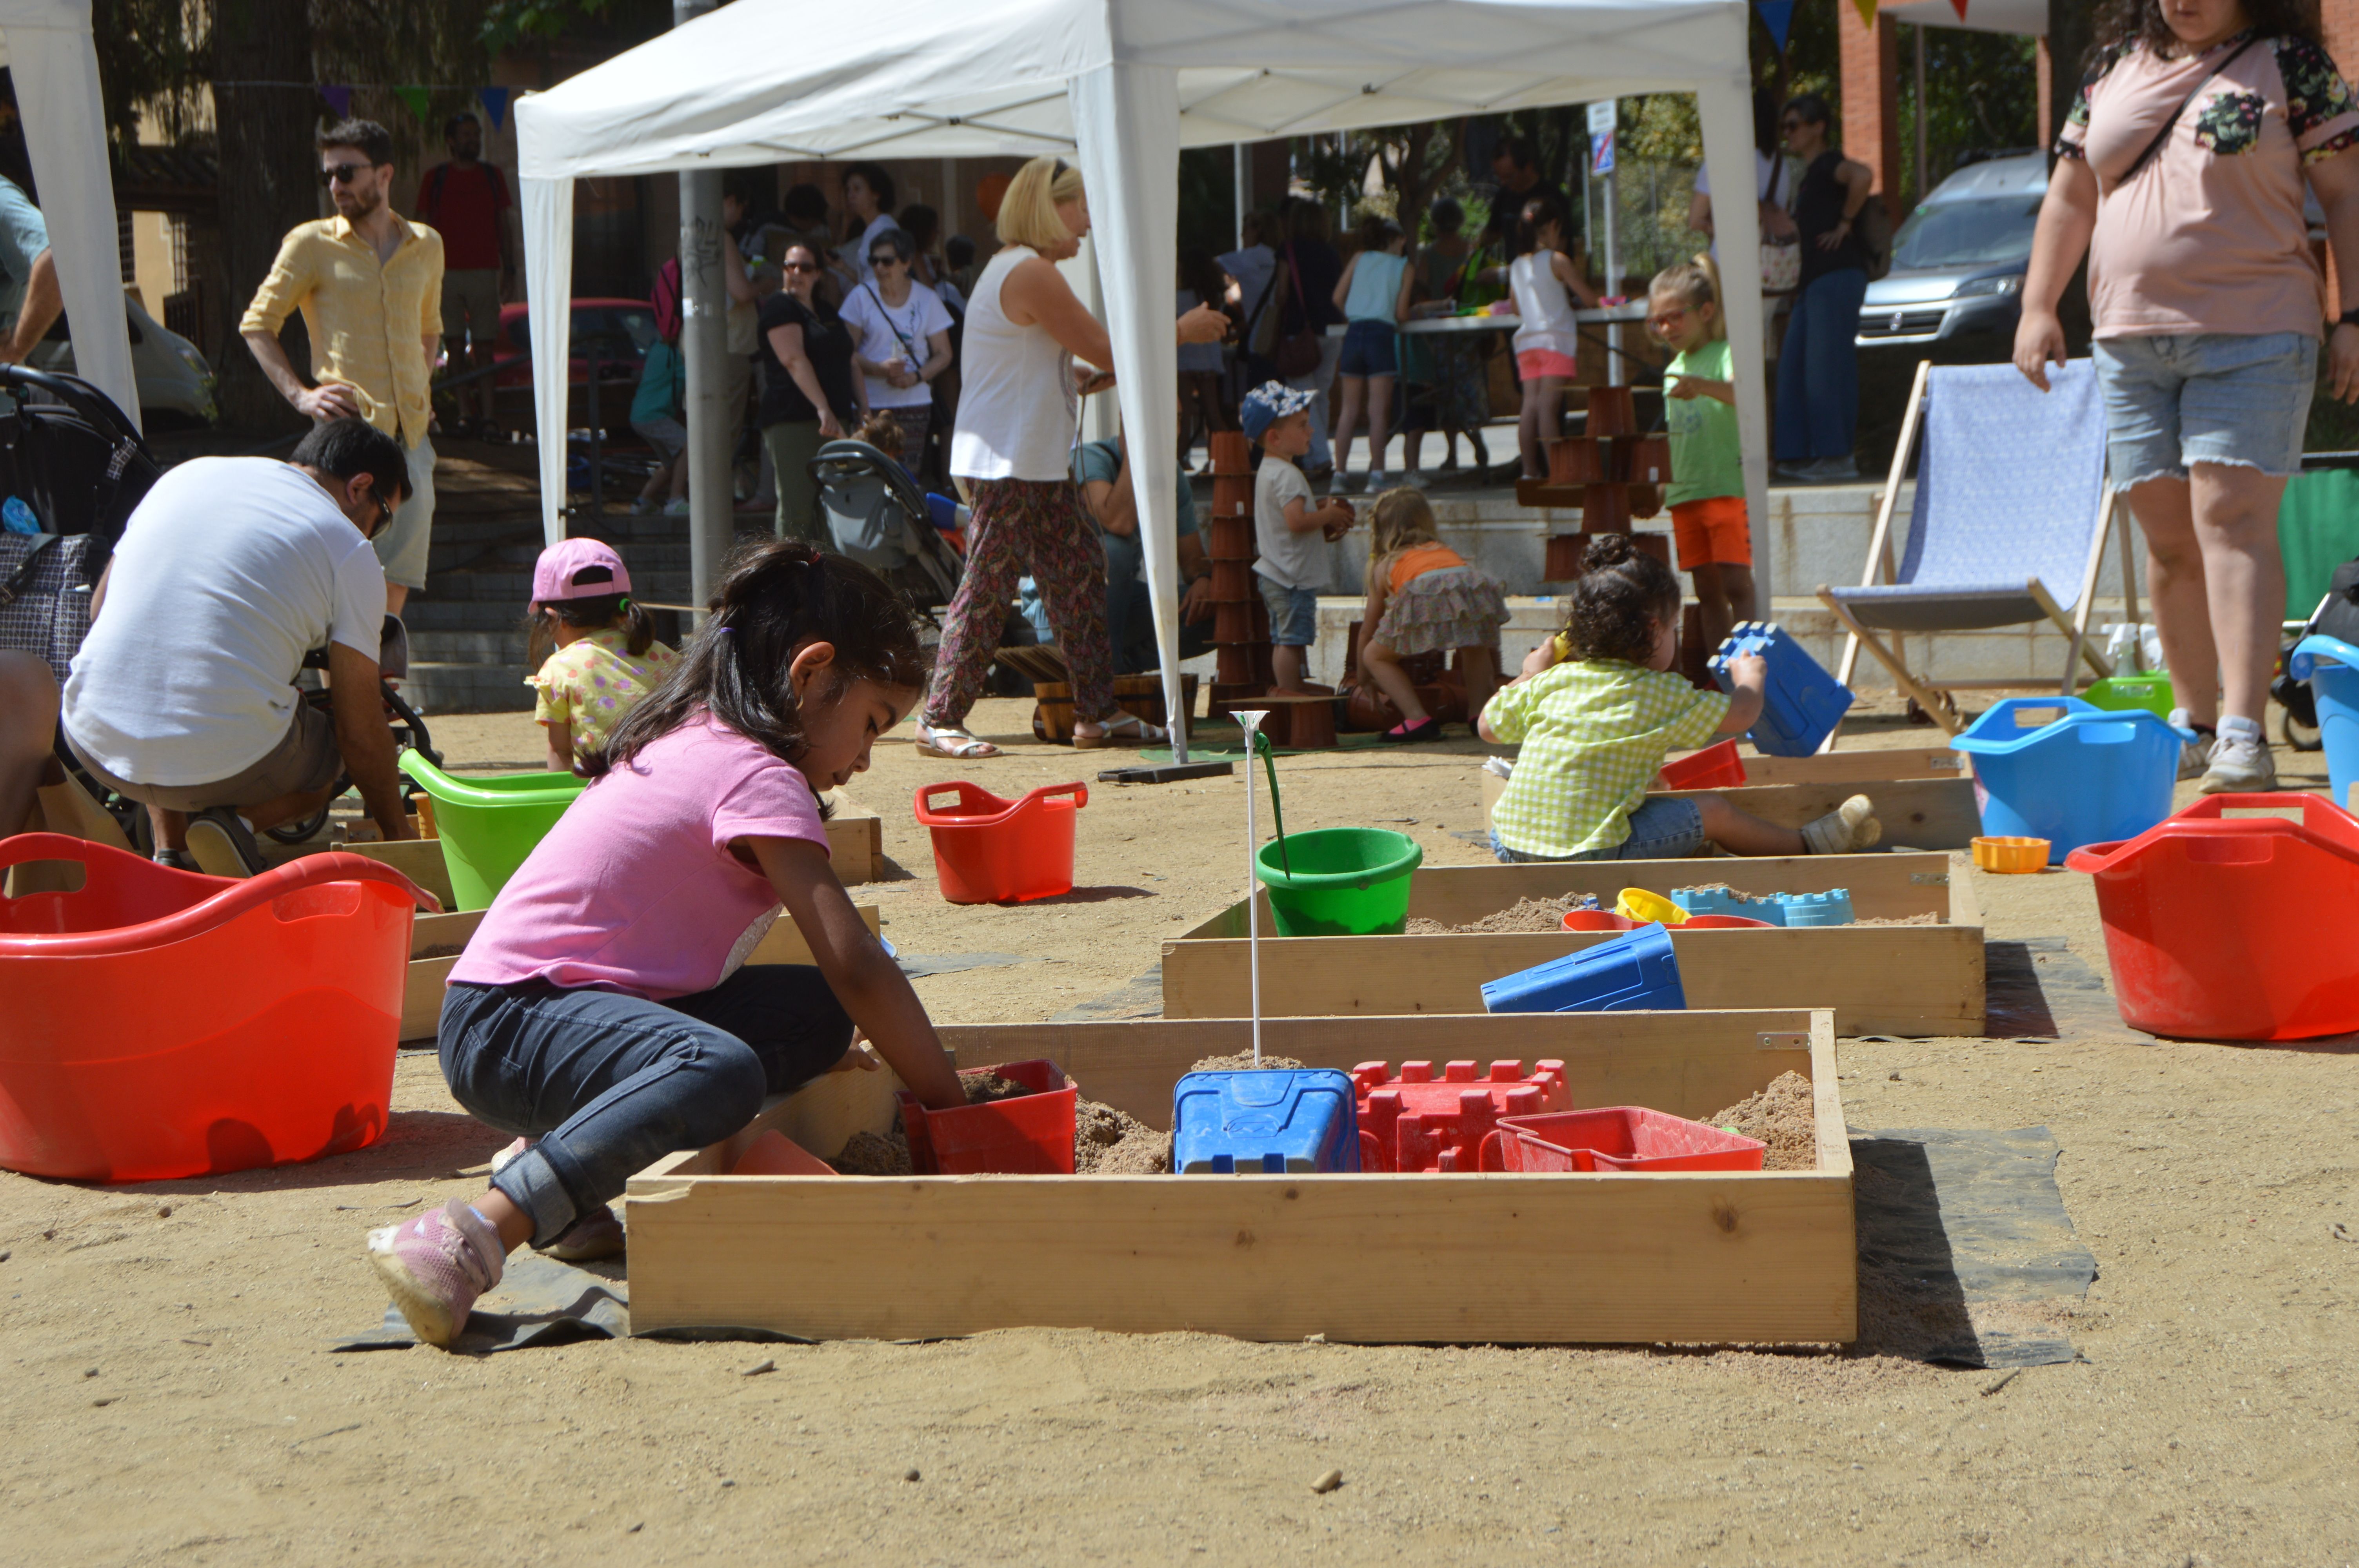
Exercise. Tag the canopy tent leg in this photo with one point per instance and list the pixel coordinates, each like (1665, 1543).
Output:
(1727, 117)
(548, 290)
(1126, 121)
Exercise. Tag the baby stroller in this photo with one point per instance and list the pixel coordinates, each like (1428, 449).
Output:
(881, 519)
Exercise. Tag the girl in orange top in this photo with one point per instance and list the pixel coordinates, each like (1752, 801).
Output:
(1423, 596)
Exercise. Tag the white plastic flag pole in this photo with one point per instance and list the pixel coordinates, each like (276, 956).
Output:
(1251, 722)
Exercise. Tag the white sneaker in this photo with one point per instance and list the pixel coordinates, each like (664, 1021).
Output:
(1849, 827)
(1414, 479)
(1376, 481)
(2241, 762)
(2194, 745)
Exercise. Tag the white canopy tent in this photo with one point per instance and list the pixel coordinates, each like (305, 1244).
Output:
(56, 74)
(1123, 84)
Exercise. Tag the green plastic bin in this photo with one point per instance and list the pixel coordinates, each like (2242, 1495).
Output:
(1344, 881)
(489, 824)
(2121, 693)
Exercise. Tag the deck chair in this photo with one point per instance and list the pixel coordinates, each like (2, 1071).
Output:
(2010, 527)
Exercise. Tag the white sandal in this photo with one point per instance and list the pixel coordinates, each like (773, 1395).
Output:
(1120, 728)
(952, 743)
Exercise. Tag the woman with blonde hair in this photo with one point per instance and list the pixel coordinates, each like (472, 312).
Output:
(1422, 596)
(1017, 413)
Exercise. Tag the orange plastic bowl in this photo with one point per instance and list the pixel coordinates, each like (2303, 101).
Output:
(2011, 856)
(161, 1023)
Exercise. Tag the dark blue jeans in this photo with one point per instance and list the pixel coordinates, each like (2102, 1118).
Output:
(609, 1084)
(1818, 369)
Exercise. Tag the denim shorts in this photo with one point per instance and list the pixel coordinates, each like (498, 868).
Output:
(1293, 613)
(1664, 828)
(1368, 349)
(2204, 398)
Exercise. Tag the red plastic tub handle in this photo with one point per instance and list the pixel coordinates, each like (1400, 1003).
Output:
(2321, 820)
(310, 870)
(978, 807)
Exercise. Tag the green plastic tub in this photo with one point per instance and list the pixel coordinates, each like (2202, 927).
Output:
(1344, 881)
(489, 824)
(2120, 693)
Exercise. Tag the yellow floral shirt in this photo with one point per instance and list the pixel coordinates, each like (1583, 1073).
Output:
(592, 684)
(1594, 733)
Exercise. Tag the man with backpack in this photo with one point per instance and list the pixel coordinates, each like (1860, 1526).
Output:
(467, 202)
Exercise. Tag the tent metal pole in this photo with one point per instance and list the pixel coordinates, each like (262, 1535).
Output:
(704, 344)
(1237, 159)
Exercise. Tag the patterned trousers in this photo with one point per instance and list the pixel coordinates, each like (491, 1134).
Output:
(1019, 525)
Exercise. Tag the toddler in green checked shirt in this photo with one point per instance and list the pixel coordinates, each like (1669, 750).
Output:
(1596, 709)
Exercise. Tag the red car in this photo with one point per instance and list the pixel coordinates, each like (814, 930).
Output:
(616, 331)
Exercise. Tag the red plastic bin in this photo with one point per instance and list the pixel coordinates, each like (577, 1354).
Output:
(2234, 928)
(1714, 767)
(989, 850)
(161, 1023)
(1616, 1138)
(1031, 1136)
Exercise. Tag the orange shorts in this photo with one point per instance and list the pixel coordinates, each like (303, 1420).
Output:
(1712, 532)
(1533, 364)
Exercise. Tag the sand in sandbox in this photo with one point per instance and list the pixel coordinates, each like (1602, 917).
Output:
(1779, 1115)
(867, 1153)
(1109, 1142)
(1524, 914)
(439, 950)
(1243, 1062)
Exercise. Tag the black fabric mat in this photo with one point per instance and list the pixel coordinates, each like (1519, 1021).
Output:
(1966, 1255)
(2039, 989)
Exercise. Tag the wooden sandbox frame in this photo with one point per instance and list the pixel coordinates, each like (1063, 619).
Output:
(1700, 1257)
(1924, 798)
(1878, 979)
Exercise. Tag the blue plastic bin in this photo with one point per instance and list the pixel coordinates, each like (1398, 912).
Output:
(2330, 665)
(1266, 1122)
(1803, 703)
(2059, 769)
(1630, 973)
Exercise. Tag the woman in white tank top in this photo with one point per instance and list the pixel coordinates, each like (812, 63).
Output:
(1019, 402)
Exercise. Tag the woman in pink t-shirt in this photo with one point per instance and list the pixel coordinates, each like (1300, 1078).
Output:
(600, 1010)
(2181, 172)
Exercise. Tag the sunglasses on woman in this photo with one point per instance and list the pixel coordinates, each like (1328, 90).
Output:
(801, 266)
(885, 259)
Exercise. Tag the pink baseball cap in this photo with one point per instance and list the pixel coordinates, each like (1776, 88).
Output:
(554, 576)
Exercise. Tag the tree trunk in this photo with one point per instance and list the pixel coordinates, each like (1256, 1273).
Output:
(268, 184)
(2071, 27)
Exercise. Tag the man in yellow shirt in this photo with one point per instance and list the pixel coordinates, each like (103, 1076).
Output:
(369, 284)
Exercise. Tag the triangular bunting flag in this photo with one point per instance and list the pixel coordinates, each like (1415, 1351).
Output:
(420, 101)
(1778, 16)
(1959, 6)
(339, 100)
(1867, 13)
(494, 99)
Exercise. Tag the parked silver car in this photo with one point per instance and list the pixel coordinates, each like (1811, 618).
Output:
(1958, 261)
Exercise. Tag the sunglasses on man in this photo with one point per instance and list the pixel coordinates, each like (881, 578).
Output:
(340, 173)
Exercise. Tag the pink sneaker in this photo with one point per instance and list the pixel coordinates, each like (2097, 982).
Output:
(435, 1265)
(592, 1238)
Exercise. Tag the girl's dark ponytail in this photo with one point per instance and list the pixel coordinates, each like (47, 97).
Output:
(775, 598)
(638, 628)
(1621, 600)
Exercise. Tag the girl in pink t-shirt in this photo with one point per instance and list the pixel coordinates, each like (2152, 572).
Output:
(601, 1011)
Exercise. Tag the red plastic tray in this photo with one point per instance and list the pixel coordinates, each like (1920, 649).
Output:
(1616, 1138)
(2234, 928)
(1714, 767)
(1031, 1136)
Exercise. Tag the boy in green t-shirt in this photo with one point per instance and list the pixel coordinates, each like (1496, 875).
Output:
(1707, 489)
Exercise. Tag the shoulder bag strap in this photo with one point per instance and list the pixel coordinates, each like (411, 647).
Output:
(22, 578)
(892, 326)
(2171, 125)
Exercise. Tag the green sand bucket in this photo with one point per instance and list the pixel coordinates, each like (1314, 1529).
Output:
(2120, 693)
(489, 824)
(1345, 882)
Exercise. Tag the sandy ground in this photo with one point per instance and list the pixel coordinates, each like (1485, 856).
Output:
(169, 1396)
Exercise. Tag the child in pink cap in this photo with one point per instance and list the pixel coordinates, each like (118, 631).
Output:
(606, 657)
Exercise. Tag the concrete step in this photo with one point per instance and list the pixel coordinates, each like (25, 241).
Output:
(485, 647)
(467, 689)
(515, 586)
(434, 614)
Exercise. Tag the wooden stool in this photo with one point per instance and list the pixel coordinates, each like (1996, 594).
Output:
(1305, 723)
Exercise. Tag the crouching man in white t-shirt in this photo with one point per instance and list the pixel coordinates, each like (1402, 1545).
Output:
(183, 697)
